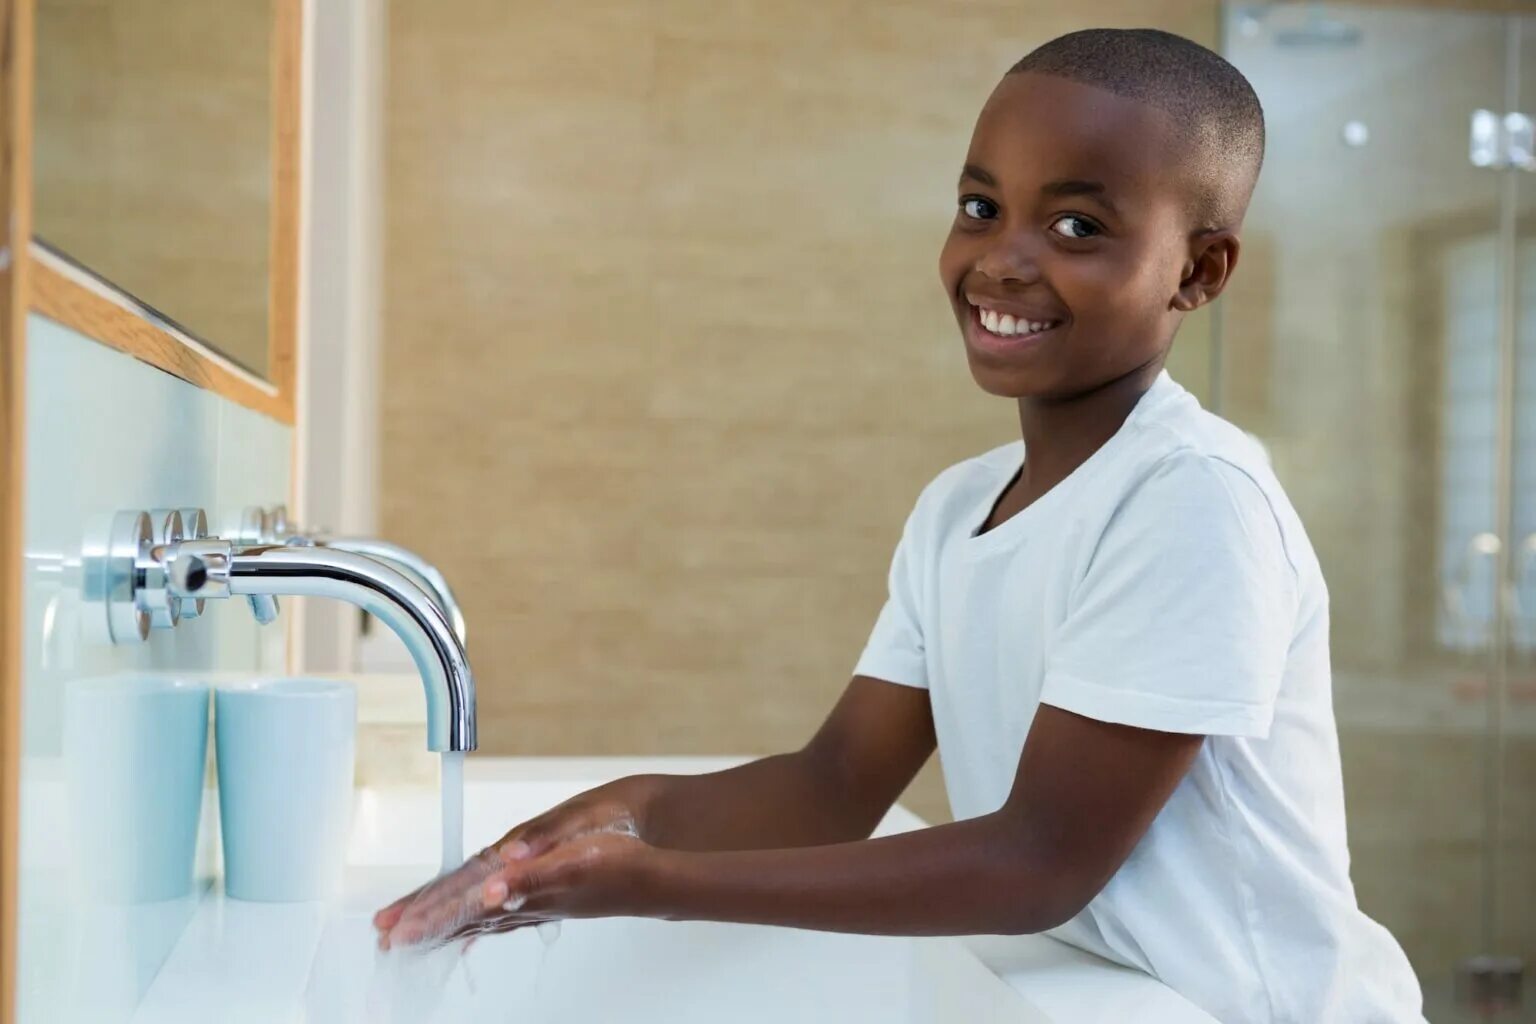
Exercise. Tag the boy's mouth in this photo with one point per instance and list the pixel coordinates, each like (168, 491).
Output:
(1002, 331)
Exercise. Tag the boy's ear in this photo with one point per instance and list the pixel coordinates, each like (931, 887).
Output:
(1212, 260)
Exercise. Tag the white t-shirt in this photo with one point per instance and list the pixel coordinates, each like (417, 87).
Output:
(1167, 584)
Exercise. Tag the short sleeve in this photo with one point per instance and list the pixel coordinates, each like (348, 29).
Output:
(895, 651)
(1184, 617)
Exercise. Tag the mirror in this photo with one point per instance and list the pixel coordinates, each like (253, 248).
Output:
(153, 141)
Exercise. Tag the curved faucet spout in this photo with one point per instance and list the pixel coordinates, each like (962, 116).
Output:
(267, 527)
(214, 568)
(418, 569)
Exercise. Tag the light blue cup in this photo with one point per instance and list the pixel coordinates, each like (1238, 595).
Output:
(285, 754)
(135, 756)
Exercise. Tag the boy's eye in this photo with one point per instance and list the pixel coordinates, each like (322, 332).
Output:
(978, 207)
(1073, 226)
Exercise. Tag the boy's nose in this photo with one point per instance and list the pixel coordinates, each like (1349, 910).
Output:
(1010, 258)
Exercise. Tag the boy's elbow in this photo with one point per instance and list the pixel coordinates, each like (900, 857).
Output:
(1039, 911)
(1048, 888)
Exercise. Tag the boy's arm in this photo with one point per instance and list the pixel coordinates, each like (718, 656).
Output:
(834, 789)
(1084, 794)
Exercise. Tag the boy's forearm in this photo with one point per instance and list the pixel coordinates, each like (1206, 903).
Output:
(787, 800)
(969, 877)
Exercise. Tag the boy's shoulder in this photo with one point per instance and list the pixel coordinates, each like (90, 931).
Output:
(1178, 440)
(1177, 427)
(1169, 439)
(1203, 476)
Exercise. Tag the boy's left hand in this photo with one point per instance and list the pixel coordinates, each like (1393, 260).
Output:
(595, 874)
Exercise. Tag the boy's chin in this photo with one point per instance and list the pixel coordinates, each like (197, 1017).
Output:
(1009, 382)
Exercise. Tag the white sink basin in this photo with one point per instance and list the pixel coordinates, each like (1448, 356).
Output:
(237, 962)
(641, 971)
(250, 962)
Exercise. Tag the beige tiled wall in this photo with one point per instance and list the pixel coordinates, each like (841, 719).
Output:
(667, 359)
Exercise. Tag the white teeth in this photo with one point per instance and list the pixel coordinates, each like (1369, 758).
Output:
(1006, 325)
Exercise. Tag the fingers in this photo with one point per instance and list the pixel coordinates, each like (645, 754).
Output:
(528, 884)
(443, 906)
(498, 876)
(386, 919)
(555, 827)
(566, 822)
(494, 926)
(508, 890)
(420, 899)
(456, 903)
(433, 926)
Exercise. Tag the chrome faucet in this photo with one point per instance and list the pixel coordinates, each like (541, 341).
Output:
(135, 572)
(260, 527)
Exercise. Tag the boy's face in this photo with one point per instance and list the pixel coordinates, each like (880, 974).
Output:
(1074, 222)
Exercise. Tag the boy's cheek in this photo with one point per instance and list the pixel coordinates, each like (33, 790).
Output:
(952, 264)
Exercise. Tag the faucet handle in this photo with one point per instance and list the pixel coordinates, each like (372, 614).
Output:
(194, 526)
(260, 527)
(278, 527)
(109, 569)
(133, 565)
(198, 569)
(252, 531)
(264, 607)
(164, 607)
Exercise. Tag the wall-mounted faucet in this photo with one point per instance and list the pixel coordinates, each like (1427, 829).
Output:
(136, 571)
(260, 527)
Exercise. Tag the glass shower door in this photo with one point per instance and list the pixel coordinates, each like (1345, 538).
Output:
(1366, 341)
(1516, 891)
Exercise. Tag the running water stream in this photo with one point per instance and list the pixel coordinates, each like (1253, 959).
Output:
(453, 809)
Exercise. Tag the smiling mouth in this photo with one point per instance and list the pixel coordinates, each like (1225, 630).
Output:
(1007, 327)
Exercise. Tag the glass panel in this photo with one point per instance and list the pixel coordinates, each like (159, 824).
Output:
(1517, 882)
(153, 167)
(118, 830)
(1360, 342)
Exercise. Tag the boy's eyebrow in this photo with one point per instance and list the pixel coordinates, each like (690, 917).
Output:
(1080, 187)
(977, 174)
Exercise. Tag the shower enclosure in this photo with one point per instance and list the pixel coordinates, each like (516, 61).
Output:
(1380, 338)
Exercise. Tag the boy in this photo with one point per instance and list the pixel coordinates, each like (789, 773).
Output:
(1116, 632)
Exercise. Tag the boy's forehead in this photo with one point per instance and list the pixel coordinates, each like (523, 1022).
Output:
(1045, 127)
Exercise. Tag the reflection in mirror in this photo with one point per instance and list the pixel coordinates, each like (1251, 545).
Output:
(153, 139)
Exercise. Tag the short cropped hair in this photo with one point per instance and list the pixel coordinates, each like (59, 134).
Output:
(1206, 97)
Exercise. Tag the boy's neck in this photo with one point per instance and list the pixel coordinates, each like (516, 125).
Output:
(1061, 434)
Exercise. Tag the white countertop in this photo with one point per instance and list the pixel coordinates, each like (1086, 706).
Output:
(239, 961)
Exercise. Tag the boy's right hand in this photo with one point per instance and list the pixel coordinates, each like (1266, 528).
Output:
(621, 805)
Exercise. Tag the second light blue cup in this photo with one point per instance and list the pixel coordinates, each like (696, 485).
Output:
(285, 756)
